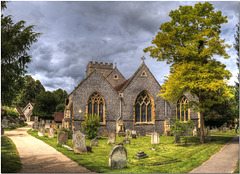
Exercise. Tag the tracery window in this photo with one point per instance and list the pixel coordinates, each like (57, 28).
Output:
(95, 105)
(143, 108)
(181, 113)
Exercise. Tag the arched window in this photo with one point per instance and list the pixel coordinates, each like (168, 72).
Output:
(144, 108)
(96, 105)
(181, 113)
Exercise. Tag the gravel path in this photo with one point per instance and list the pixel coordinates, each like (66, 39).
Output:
(222, 162)
(38, 157)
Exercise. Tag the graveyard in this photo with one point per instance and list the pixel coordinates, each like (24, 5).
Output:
(165, 157)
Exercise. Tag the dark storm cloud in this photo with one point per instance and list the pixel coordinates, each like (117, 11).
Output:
(73, 33)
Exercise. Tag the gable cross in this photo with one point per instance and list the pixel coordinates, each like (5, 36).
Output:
(143, 58)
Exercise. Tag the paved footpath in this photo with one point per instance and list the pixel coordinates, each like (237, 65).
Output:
(38, 157)
(222, 162)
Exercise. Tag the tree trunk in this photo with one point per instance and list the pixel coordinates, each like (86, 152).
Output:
(202, 136)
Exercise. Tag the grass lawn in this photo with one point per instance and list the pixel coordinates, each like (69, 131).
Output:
(9, 156)
(12, 128)
(175, 158)
(237, 169)
(227, 133)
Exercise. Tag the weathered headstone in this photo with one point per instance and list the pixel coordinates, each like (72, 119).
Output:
(118, 157)
(62, 137)
(51, 133)
(141, 155)
(94, 142)
(34, 126)
(126, 141)
(41, 131)
(155, 138)
(195, 131)
(134, 134)
(111, 138)
(105, 133)
(4, 123)
(60, 126)
(79, 143)
(47, 125)
(128, 133)
(54, 126)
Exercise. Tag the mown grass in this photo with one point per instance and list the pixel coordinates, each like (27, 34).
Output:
(9, 156)
(227, 133)
(178, 158)
(237, 169)
(12, 128)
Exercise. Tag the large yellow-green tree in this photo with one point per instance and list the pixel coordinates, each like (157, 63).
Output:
(189, 42)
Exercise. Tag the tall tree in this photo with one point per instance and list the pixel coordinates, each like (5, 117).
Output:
(16, 40)
(31, 89)
(190, 40)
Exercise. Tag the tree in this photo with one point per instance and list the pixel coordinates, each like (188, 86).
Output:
(202, 81)
(60, 107)
(91, 125)
(31, 89)
(190, 40)
(16, 40)
(45, 105)
(60, 95)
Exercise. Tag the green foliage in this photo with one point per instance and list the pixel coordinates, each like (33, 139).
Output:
(45, 105)
(60, 107)
(59, 145)
(31, 89)
(10, 161)
(12, 128)
(16, 40)
(69, 131)
(191, 35)
(10, 112)
(180, 128)
(60, 95)
(90, 125)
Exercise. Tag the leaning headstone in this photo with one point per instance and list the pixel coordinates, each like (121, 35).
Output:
(141, 155)
(134, 134)
(79, 143)
(155, 138)
(41, 131)
(126, 141)
(4, 123)
(51, 133)
(62, 137)
(111, 138)
(94, 142)
(118, 157)
(105, 133)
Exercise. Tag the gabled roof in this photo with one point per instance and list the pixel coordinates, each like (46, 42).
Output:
(19, 111)
(29, 104)
(115, 69)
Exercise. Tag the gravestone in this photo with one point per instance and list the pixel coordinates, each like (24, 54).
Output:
(105, 133)
(79, 144)
(60, 126)
(51, 133)
(12, 125)
(155, 138)
(21, 121)
(134, 134)
(128, 133)
(54, 126)
(41, 131)
(141, 155)
(62, 137)
(195, 131)
(94, 142)
(47, 125)
(4, 123)
(118, 157)
(126, 141)
(17, 122)
(111, 138)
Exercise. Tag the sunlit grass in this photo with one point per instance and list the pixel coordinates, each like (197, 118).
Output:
(227, 133)
(9, 156)
(175, 158)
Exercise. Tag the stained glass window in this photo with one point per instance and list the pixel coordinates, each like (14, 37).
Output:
(143, 108)
(96, 105)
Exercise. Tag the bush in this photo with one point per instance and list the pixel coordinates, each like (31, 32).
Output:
(10, 112)
(91, 125)
(70, 132)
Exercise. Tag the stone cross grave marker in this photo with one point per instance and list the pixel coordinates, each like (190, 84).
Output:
(111, 138)
(94, 142)
(62, 137)
(51, 133)
(155, 138)
(118, 157)
(41, 131)
(79, 143)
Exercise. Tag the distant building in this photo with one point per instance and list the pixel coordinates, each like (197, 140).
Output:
(27, 111)
(58, 116)
(123, 103)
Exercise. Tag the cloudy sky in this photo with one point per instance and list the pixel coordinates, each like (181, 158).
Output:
(75, 32)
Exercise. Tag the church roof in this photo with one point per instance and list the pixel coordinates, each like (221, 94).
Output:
(58, 116)
(119, 87)
(19, 111)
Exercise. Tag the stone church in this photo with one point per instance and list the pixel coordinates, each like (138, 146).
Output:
(123, 103)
